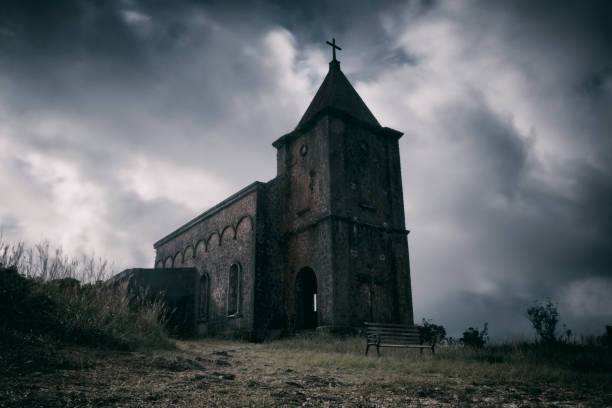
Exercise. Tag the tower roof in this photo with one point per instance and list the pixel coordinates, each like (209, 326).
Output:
(337, 92)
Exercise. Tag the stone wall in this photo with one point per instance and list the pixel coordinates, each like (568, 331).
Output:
(175, 286)
(371, 266)
(303, 163)
(343, 217)
(334, 211)
(212, 243)
(271, 317)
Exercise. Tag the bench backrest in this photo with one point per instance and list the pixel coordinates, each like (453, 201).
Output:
(394, 333)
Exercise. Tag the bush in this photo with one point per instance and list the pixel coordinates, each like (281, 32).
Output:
(63, 309)
(431, 332)
(544, 317)
(474, 338)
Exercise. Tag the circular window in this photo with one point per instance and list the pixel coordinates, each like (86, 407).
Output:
(303, 150)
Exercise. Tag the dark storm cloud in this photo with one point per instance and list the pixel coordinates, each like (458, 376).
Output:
(127, 118)
(77, 58)
(136, 218)
(533, 204)
(55, 46)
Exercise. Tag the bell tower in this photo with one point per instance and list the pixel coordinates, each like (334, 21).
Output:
(343, 220)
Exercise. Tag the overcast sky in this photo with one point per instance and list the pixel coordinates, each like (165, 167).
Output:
(121, 120)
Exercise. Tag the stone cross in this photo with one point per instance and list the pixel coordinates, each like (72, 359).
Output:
(334, 47)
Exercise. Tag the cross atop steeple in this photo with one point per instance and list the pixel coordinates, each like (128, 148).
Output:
(334, 47)
(336, 93)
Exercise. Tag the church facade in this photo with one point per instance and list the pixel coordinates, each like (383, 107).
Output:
(322, 245)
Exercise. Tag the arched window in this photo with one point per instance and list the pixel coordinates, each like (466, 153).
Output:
(168, 263)
(233, 292)
(203, 299)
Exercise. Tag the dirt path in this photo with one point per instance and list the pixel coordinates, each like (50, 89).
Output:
(215, 373)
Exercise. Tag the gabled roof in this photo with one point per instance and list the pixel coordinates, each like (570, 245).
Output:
(337, 92)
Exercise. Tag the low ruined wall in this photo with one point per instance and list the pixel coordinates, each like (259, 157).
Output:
(175, 286)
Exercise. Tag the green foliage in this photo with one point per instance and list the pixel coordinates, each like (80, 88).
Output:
(432, 332)
(62, 309)
(474, 338)
(544, 317)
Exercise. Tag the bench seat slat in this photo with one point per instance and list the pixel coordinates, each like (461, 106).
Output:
(393, 329)
(394, 334)
(399, 335)
(407, 345)
(403, 338)
(389, 325)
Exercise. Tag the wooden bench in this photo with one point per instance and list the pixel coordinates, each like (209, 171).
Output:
(395, 335)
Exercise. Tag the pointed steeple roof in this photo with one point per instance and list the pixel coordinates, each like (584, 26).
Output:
(336, 92)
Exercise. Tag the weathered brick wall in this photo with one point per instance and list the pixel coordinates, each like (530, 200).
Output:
(376, 282)
(362, 181)
(335, 207)
(311, 248)
(401, 259)
(371, 268)
(343, 217)
(212, 245)
(304, 166)
(271, 258)
(304, 161)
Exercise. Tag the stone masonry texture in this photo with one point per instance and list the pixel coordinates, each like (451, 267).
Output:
(322, 245)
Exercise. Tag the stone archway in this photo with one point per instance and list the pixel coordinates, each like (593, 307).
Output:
(306, 300)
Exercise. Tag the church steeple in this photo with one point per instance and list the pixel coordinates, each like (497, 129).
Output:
(337, 93)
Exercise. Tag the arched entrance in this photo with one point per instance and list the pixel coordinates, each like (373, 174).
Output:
(305, 300)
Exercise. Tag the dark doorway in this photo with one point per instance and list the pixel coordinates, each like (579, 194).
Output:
(306, 300)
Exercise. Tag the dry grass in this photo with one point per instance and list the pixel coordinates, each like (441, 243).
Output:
(315, 371)
(60, 346)
(47, 296)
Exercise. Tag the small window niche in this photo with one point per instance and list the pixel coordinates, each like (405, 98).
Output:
(233, 292)
(203, 300)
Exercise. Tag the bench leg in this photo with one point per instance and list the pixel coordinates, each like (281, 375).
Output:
(367, 348)
(421, 350)
(433, 351)
(377, 351)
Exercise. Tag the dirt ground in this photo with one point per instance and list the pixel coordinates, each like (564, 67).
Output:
(215, 373)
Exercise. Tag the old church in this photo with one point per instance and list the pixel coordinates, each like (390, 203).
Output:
(322, 245)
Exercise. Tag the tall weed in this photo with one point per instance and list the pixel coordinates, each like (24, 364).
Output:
(41, 296)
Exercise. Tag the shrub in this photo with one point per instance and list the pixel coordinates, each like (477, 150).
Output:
(431, 332)
(45, 263)
(544, 317)
(474, 338)
(40, 296)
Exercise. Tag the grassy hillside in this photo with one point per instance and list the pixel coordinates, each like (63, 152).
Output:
(47, 296)
(312, 371)
(64, 310)
(66, 341)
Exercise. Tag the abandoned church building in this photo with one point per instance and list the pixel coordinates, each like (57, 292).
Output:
(322, 245)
